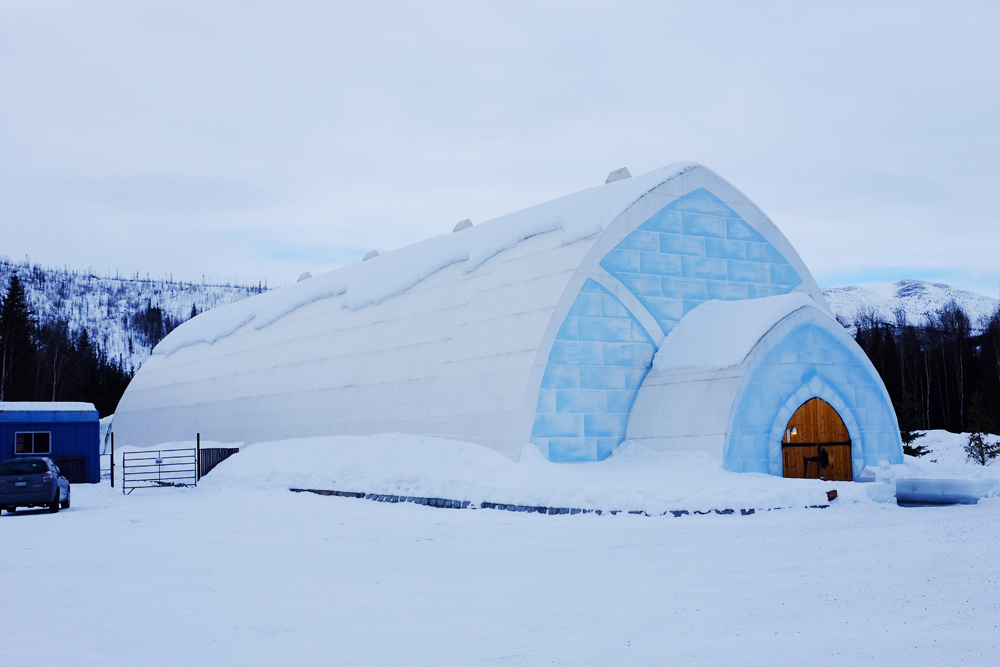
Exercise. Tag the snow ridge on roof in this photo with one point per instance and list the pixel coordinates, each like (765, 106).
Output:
(39, 406)
(720, 334)
(579, 216)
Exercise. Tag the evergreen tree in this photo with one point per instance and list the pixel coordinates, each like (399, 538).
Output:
(17, 349)
(194, 309)
(978, 449)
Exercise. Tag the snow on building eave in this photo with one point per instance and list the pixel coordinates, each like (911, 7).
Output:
(578, 216)
(718, 335)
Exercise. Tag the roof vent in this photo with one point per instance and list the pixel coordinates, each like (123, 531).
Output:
(304, 276)
(373, 253)
(617, 175)
(465, 224)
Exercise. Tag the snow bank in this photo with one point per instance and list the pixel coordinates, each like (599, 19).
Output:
(633, 478)
(720, 334)
(579, 216)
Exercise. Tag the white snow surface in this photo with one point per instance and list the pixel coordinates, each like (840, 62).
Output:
(217, 576)
(720, 334)
(915, 298)
(633, 478)
(47, 406)
(579, 216)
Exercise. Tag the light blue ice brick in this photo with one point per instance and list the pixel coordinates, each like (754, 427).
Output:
(727, 291)
(792, 373)
(682, 244)
(764, 252)
(663, 220)
(555, 425)
(621, 261)
(612, 307)
(607, 330)
(748, 272)
(628, 354)
(641, 285)
(604, 425)
(633, 378)
(704, 267)
(592, 286)
(576, 353)
(725, 249)
(760, 291)
(664, 309)
(666, 326)
(659, 264)
(568, 330)
(704, 225)
(702, 201)
(690, 305)
(546, 401)
(738, 229)
(586, 305)
(684, 288)
(569, 450)
(868, 396)
(621, 401)
(561, 377)
(641, 240)
(784, 274)
(740, 447)
(639, 334)
(580, 401)
(602, 377)
(605, 446)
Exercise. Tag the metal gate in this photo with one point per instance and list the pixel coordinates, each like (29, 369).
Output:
(155, 468)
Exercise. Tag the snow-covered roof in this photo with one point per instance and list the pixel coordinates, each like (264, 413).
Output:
(39, 406)
(579, 215)
(720, 334)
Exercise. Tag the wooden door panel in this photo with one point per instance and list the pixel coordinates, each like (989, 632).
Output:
(840, 467)
(817, 427)
(795, 461)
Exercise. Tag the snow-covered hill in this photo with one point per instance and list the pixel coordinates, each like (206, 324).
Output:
(107, 306)
(916, 298)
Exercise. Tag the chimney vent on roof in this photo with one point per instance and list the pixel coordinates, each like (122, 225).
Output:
(373, 253)
(465, 224)
(617, 175)
(304, 276)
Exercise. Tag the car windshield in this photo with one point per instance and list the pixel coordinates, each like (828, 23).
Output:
(23, 467)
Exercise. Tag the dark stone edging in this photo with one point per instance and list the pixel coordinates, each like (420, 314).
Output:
(446, 503)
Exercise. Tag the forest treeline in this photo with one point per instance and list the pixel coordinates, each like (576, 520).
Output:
(943, 373)
(47, 361)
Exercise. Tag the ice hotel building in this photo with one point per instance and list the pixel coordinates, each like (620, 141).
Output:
(665, 308)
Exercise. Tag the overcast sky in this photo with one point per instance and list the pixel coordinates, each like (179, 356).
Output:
(263, 139)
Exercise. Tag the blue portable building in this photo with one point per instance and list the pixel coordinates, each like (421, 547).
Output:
(68, 433)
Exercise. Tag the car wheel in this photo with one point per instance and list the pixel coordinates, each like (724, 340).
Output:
(65, 504)
(54, 505)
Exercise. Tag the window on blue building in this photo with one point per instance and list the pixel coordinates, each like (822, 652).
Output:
(32, 443)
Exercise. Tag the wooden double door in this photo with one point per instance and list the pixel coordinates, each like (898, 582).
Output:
(816, 444)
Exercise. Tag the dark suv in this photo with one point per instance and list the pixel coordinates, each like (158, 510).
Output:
(34, 482)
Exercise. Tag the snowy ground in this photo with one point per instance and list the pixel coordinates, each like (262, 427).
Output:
(269, 577)
(241, 572)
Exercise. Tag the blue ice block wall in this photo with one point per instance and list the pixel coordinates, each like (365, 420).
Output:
(808, 363)
(693, 250)
(599, 358)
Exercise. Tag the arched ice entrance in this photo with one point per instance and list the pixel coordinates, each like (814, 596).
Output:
(816, 444)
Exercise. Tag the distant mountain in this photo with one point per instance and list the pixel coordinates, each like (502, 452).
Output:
(124, 316)
(915, 299)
